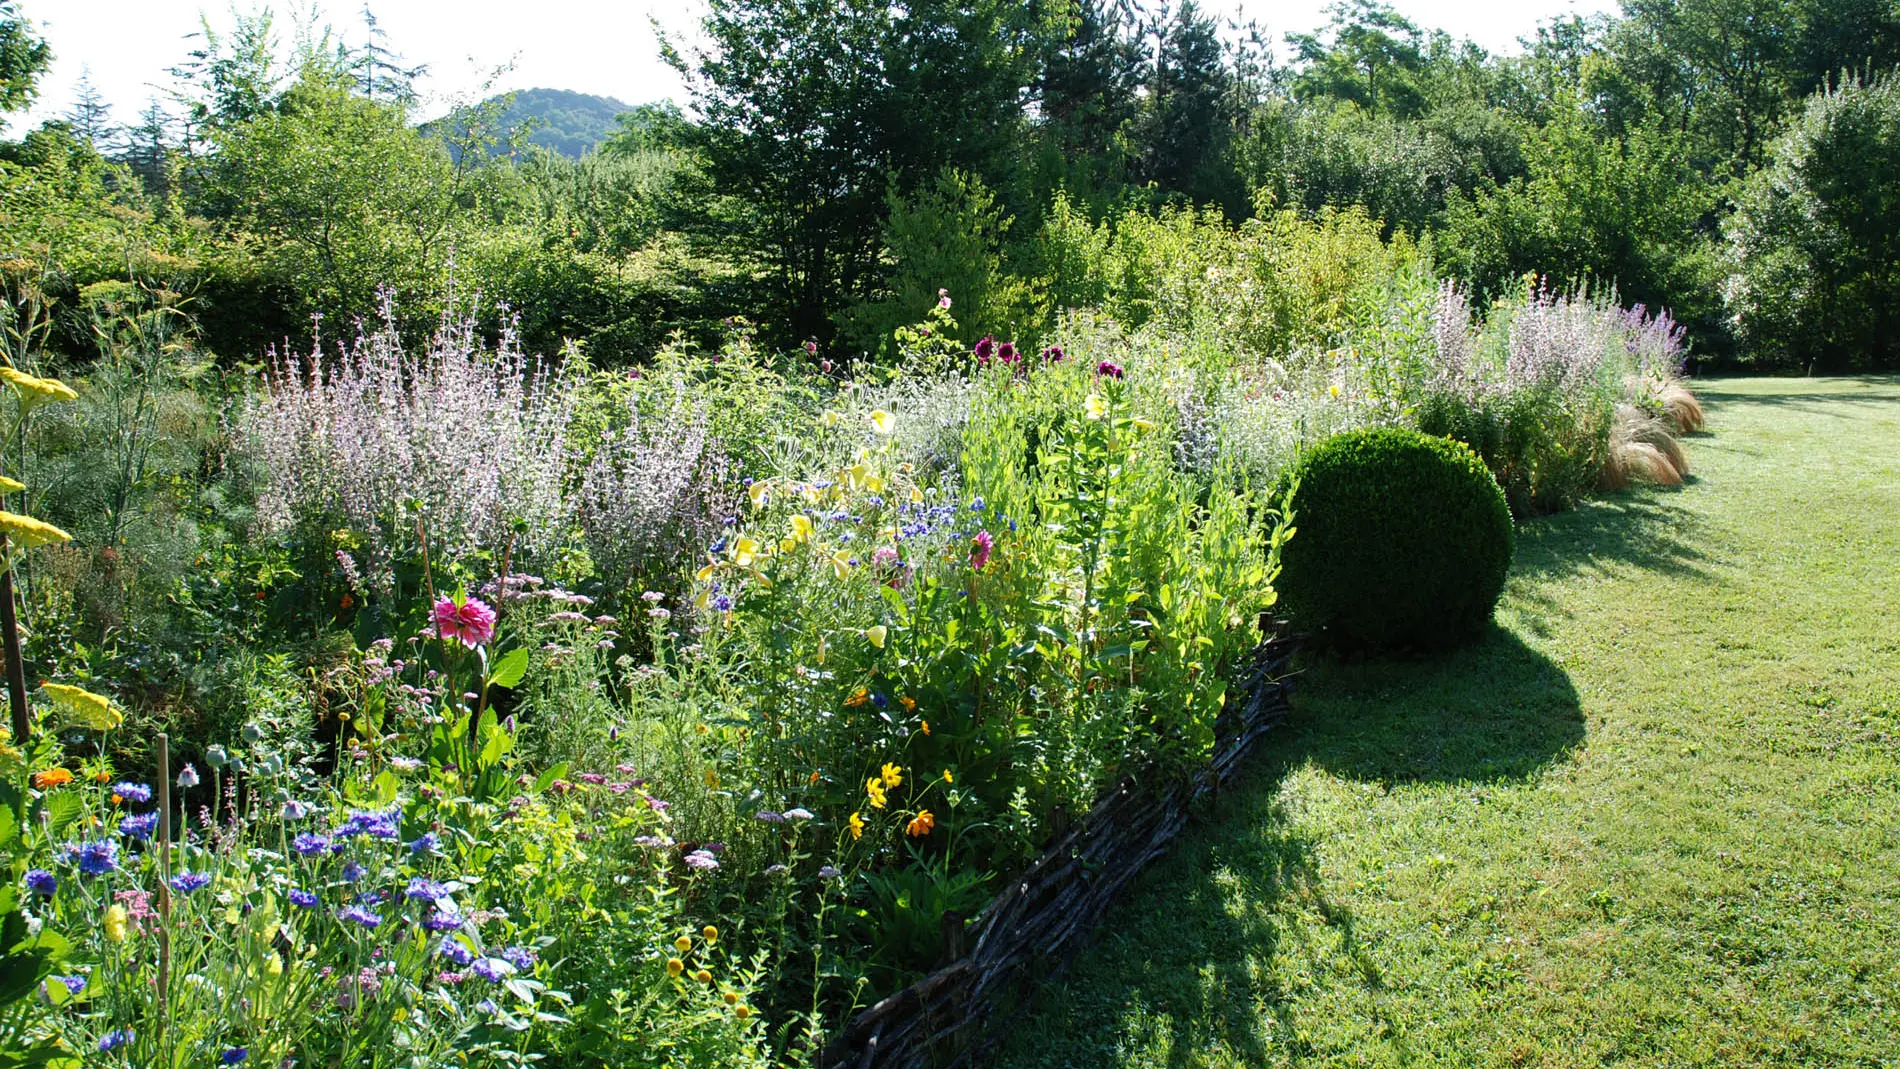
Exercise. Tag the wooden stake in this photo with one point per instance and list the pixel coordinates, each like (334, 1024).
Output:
(164, 874)
(16, 667)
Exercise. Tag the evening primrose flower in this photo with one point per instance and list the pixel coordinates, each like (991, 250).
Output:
(801, 528)
(876, 635)
(883, 421)
(1094, 407)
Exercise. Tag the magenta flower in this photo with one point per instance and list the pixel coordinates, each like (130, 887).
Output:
(1006, 352)
(471, 623)
(1109, 370)
(985, 348)
(981, 554)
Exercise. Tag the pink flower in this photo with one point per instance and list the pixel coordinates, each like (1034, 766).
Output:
(471, 623)
(1109, 370)
(981, 554)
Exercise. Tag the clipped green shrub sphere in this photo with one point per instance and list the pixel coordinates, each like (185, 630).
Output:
(1403, 539)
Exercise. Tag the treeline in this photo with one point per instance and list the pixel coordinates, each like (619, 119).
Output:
(1734, 161)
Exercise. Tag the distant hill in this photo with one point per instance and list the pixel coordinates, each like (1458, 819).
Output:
(565, 122)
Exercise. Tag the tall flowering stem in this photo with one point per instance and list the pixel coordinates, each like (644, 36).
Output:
(10, 625)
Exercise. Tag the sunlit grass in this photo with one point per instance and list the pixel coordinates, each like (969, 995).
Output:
(1652, 818)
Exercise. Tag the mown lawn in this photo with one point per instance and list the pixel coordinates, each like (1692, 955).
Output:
(1652, 819)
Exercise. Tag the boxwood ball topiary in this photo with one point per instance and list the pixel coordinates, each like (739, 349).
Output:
(1403, 539)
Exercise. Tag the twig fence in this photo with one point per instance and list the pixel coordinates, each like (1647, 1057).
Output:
(1032, 930)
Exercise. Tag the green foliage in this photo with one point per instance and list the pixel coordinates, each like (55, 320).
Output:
(562, 122)
(1815, 238)
(1404, 540)
(23, 58)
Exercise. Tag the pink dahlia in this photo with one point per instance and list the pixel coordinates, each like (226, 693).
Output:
(981, 554)
(471, 623)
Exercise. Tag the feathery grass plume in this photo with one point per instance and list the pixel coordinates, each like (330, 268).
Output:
(1642, 450)
(1682, 408)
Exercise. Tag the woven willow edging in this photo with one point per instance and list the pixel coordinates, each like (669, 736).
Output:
(1035, 926)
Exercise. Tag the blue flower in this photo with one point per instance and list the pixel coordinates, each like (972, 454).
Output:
(310, 844)
(722, 603)
(453, 950)
(425, 844)
(520, 957)
(73, 984)
(186, 882)
(94, 859)
(139, 827)
(487, 1005)
(136, 793)
(234, 1055)
(115, 1039)
(360, 915)
(443, 920)
(425, 890)
(353, 872)
(879, 700)
(41, 882)
(494, 970)
(300, 897)
(373, 824)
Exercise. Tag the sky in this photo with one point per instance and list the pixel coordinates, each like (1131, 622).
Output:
(593, 46)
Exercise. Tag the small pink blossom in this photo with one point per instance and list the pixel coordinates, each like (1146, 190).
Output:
(981, 554)
(472, 623)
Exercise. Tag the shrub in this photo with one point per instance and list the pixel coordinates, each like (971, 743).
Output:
(1404, 540)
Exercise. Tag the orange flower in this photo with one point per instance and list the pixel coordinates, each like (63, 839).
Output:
(909, 703)
(348, 601)
(926, 727)
(52, 777)
(921, 824)
(814, 776)
(858, 697)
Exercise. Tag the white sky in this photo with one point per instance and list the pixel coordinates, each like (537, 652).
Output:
(593, 46)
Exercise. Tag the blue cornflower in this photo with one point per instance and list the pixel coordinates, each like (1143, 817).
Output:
(373, 824)
(41, 882)
(186, 882)
(879, 699)
(73, 984)
(234, 1055)
(722, 603)
(425, 890)
(353, 872)
(520, 957)
(453, 950)
(494, 970)
(94, 859)
(136, 793)
(300, 897)
(139, 827)
(115, 1039)
(977, 505)
(718, 546)
(425, 844)
(310, 844)
(360, 915)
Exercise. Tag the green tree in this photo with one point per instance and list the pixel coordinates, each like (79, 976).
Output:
(1189, 121)
(1814, 244)
(90, 117)
(1370, 55)
(23, 58)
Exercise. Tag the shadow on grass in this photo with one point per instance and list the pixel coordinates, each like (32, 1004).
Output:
(1640, 527)
(1188, 966)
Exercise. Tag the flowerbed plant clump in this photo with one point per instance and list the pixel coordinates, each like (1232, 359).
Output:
(663, 716)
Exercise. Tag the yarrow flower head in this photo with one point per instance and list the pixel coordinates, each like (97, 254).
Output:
(702, 860)
(471, 622)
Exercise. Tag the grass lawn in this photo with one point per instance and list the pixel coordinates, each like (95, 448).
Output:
(1653, 818)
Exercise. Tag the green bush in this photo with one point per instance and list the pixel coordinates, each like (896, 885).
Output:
(1404, 539)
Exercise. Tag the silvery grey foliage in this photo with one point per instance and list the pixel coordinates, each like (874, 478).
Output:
(651, 490)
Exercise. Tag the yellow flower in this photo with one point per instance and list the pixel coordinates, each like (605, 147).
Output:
(703, 976)
(11, 486)
(883, 421)
(876, 635)
(276, 966)
(34, 390)
(874, 790)
(840, 564)
(745, 551)
(1094, 407)
(94, 710)
(115, 923)
(910, 705)
(731, 997)
(857, 826)
(27, 532)
(758, 492)
(711, 933)
(893, 775)
(742, 1012)
(947, 778)
(675, 966)
(801, 528)
(683, 944)
(926, 727)
(829, 419)
(920, 824)
(814, 777)
(1333, 389)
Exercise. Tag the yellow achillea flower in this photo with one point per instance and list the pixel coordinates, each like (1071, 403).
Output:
(115, 923)
(11, 486)
(857, 826)
(874, 790)
(893, 775)
(27, 532)
(674, 967)
(876, 635)
(95, 710)
(34, 390)
(921, 824)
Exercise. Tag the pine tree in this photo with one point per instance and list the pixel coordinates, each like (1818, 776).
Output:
(90, 116)
(1188, 127)
(1089, 85)
(146, 147)
(379, 69)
